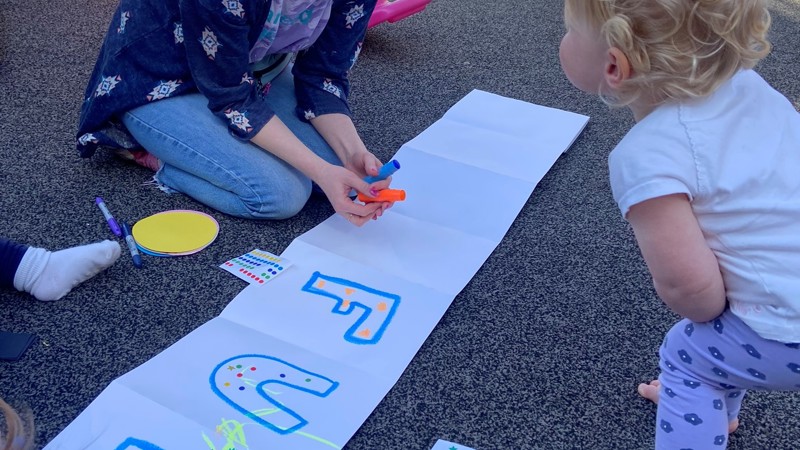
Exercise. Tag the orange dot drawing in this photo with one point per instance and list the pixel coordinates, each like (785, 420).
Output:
(349, 291)
(345, 303)
(321, 284)
(381, 306)
(364, 333)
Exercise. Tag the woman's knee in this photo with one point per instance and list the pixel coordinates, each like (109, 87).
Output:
(278, 201)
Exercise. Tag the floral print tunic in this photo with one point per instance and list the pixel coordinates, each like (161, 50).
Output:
(155, 49)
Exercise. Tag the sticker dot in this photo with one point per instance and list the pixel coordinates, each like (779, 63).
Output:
(226, 384)
(283, 375)
(239, 375)
(241, 388)
(238, 366)
(308, 380)
(253, 369)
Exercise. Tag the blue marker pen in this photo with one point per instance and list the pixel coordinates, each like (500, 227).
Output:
(386, 171)
(137, 259)
(112, 223)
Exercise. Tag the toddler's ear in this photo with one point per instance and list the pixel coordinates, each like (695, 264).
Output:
(618, 68)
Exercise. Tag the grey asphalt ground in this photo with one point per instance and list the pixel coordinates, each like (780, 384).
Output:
(543, 349)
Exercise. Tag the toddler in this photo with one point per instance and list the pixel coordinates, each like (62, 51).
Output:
(708, 180)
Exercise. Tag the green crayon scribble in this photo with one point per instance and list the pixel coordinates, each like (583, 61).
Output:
(233, 432)
(318, 439)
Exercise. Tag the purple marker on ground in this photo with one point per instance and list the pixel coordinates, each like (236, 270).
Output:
(112, 223)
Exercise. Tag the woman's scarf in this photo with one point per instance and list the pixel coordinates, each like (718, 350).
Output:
(291, 25)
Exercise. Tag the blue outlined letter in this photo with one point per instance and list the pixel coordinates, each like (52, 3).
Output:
(376, 307)
(240, 381)
(138, 444)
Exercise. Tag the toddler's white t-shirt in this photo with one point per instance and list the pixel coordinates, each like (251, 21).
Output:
(736, 155)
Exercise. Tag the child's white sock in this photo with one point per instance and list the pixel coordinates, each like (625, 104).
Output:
(51, 275)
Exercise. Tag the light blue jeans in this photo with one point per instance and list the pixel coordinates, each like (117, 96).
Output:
(202, 160)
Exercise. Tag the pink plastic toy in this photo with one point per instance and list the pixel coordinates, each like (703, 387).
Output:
(394, 10)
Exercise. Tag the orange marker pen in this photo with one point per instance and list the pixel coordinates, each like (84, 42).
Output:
(386, 195)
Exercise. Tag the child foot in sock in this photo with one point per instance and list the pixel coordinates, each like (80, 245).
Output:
(62, 270)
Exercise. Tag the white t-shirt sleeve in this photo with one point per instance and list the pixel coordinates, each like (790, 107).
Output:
(654, 159)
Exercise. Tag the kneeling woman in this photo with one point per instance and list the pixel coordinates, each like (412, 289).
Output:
(240, 104)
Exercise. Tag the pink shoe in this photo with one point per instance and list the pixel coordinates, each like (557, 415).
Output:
(394, 10)
(141, 157)
(146, 159)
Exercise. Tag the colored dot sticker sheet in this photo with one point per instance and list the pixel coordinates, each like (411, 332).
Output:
(446, 445)
(256, 266)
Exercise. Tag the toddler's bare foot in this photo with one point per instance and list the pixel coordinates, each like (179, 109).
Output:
(733, 425)
(650, 392)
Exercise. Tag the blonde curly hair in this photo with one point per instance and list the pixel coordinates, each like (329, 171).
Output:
(19, 432)
(678, 49)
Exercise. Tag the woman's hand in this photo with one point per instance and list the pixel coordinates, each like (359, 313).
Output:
(364, 164)
(337, 183)
(367, 163)
(340, 133)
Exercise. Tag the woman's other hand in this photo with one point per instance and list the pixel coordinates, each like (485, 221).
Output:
(337, 183)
